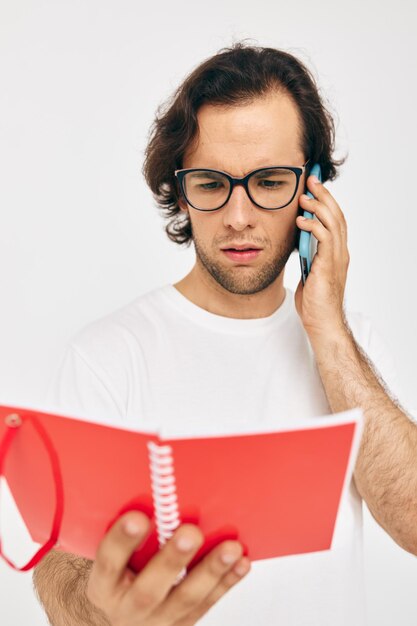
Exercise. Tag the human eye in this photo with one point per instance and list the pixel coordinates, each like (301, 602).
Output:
(267, 183)
(273, 179)
(206, 181)
(213, 185)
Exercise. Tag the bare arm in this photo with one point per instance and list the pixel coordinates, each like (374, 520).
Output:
(74, 590)
(60, 581)
(385, 472)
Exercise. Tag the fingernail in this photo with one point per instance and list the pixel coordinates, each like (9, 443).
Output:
(241, 568)
(306, 197)
(314, 178)
(184, 543)
(132, 528)
(228, 558)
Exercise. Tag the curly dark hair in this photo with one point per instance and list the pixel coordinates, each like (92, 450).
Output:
(234, 76)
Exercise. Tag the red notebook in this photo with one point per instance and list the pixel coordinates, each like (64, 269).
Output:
(278, 491)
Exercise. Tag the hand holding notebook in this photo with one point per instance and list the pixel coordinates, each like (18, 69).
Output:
(278, 492)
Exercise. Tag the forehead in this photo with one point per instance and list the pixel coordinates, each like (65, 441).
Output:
(242, 137)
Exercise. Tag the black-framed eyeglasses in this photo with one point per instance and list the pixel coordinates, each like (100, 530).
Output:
(270, 188)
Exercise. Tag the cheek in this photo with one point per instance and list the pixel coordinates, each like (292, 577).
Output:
(204, 230)
(283, 225)
(206, 225)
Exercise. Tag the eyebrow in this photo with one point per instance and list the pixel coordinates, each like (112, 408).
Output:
(283, 173)
(207, 173)
(204, 174)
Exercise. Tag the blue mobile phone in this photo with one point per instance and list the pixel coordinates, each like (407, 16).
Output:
(307, 246)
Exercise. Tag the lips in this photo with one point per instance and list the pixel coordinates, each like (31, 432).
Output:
(241, 255)
(245, 246)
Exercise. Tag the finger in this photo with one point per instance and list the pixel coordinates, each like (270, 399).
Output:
(230, 579)
(202, 580)
(322, 212)
(336, 227)
(159, 575)
(114, 552)
(320, 232)
(322, 194)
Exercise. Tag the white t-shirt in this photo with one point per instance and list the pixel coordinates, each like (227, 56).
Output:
(162, 361)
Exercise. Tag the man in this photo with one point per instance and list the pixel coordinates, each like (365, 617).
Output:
(228, 346)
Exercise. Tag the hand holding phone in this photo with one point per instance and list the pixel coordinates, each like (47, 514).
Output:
(307, 246)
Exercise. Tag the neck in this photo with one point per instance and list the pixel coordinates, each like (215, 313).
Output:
(201, 289)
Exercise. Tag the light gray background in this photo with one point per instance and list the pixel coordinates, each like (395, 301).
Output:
(80, 236)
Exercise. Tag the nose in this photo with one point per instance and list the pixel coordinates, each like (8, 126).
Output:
(239, 212)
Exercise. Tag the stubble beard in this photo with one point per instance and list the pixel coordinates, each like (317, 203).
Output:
(246, 281)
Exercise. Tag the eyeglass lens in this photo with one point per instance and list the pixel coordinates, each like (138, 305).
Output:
(270, 188)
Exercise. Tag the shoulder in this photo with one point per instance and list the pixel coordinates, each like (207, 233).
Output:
(115, 333)
(371, 339)
(112, 348)
(366, 333)
(101, 361)
(361, 326)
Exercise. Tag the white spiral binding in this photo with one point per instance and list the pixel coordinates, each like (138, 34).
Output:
(164, 493)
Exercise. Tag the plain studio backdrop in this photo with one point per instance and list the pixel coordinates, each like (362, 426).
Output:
(80, 235)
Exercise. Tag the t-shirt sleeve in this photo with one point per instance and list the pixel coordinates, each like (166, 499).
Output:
(79, 389)
(376, 348)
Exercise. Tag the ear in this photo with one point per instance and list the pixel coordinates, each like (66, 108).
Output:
(182, 204)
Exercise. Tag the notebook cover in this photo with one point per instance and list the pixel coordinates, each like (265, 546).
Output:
(278, 492)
